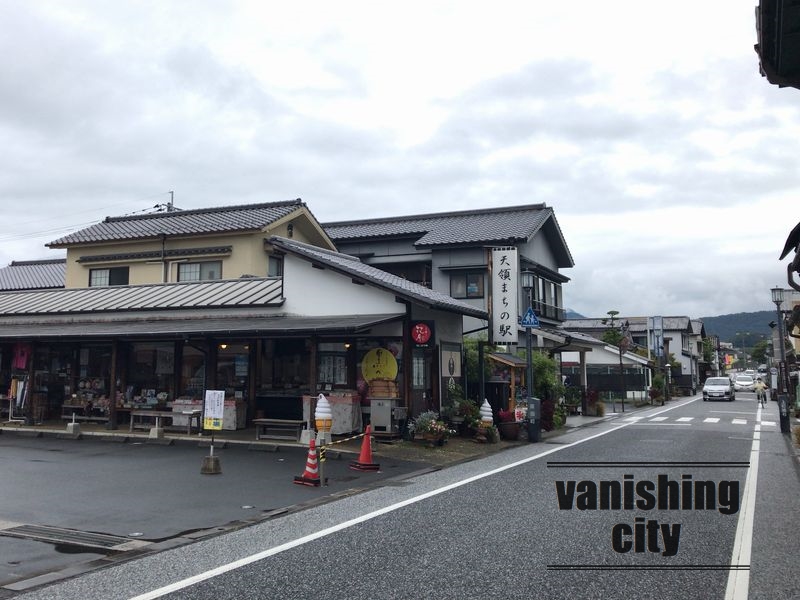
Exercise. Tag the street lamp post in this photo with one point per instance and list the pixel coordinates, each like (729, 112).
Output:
(534, 423)
(783, 387)
(622, 346)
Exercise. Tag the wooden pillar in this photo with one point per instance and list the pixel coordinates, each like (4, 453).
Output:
(252, 369)
(312, 366)
(29, 387)
(408, 364)
(112, 387)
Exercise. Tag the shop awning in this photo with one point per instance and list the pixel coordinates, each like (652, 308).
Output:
(150, 326)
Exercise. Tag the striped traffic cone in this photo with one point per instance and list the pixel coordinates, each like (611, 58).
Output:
(310, 476)
(364, 462)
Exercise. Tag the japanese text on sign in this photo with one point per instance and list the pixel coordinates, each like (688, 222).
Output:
(214, 407)
(505, 275)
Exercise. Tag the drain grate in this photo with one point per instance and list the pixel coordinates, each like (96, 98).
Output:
(58, 535)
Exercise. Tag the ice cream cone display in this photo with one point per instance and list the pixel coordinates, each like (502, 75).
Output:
(323, 416)
(486, 413)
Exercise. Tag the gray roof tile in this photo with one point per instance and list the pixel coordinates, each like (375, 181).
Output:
(33, 274)
(495, 225)
(219, 293)
(201, 221)
(352, 266)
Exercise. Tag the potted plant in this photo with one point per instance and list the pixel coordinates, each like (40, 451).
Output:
(429, 427)
(469, 414)
(507, 425)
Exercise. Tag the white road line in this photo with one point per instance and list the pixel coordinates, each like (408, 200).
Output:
(739, 421)
(739, 580)
(769, 423)
(226, 568)
(685, 419)
(659, 419)
(711, 420)
(634, 419)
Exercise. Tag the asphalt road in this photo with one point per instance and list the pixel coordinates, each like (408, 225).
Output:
(497, 527)
(147, 494)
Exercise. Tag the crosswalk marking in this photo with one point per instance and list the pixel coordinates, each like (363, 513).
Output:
(688, 420)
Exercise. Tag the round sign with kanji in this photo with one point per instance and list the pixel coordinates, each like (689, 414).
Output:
(421, 333)
(378, 363)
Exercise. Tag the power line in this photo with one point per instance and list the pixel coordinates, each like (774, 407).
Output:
(23, 235)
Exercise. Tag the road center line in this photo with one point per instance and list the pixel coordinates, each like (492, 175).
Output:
(222, 569)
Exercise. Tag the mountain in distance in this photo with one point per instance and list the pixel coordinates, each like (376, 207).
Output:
(749, 327)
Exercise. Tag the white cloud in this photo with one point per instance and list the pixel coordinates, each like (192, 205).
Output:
(670, 162)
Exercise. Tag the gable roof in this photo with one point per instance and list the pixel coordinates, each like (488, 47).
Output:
(353, 267)
(505, 225)
(33, 274)
(201, 221)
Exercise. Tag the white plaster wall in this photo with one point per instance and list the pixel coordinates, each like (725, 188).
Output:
(322, 292)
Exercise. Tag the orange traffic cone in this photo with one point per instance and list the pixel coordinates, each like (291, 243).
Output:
(311, 475)
(364, 462)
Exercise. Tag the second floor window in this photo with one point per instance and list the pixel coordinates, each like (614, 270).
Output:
(200, 271)
(466, 285)
(275, 266)
(111, 276)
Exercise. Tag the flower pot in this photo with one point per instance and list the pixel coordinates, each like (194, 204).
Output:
(509, 430)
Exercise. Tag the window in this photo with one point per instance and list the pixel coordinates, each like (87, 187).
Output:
(466, 285)
(200, 271)
(275, 266)
(112, 276)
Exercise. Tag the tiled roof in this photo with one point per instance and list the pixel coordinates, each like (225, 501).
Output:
(33, 274)
(495, 225)
(636, 324)
(206, 294)
(250, 217)
(353, 267)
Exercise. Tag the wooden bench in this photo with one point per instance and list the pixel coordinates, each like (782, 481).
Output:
(68, 411)
(281, 429)
(158, 415)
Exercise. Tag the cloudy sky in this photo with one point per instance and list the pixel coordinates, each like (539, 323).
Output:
(671, 164)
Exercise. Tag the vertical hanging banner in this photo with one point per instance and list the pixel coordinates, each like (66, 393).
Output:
(214, 407)
(505, 283)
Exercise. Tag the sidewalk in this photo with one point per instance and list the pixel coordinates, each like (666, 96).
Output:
(457, 449)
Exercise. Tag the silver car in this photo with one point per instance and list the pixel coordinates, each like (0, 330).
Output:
(718, 388)
(744, 383)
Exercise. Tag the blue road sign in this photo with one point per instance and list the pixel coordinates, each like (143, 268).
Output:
(529, 320)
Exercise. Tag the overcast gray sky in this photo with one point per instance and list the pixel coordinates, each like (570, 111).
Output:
(671, 164)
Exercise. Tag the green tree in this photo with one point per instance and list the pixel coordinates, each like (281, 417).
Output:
(546, 376)
(759, 352)
(471, 365)
(708, 350)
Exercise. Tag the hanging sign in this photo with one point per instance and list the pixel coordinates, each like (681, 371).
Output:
(213, 409)
(505, 277)
(422, 334)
